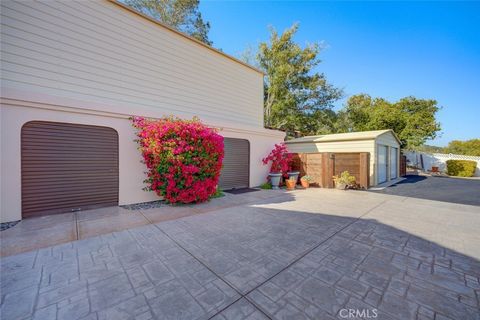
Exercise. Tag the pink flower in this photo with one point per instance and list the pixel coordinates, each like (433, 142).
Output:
(183, 158)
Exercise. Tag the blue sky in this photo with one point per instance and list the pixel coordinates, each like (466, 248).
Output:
(385, 49)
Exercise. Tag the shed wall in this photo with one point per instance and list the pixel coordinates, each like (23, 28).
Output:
(339, 147)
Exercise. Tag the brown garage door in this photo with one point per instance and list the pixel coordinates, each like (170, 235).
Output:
(236, 164)
(68, 167)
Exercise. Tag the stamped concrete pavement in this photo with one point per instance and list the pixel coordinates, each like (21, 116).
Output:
(314, 254)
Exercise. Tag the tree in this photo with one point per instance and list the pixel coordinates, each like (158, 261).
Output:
(468, 148)
(412, 119)
(297, 98)
(430, 149)
(182, 15)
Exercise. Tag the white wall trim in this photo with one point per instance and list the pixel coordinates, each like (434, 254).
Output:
(65, 105)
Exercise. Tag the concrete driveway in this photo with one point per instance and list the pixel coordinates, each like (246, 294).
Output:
(456, 190)
(307, 254)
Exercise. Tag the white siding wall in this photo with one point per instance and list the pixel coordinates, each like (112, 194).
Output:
(387, 139)
(94, 62)
(113, 60)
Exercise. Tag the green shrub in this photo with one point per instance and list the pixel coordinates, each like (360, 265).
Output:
(218, 193)
(461, 168)
(266, 185)
(345, 178)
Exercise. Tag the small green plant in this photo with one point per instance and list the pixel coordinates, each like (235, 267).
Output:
(218, 193)
(306, 178)
(266, 186)
(461, 168)
(345, 180)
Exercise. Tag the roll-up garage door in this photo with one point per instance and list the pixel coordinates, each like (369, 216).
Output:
(393, 163)
(68, 167)
(382, 167)
(236, 164)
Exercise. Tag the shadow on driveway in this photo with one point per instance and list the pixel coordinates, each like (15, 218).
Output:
(463, 191)
(262, 261)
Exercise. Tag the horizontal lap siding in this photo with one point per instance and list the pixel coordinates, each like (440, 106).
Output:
(67, 167)
(97, 51)
(334, 146)
(388, 139)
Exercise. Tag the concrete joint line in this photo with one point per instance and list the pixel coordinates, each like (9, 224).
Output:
(273, 276)
(207, 267)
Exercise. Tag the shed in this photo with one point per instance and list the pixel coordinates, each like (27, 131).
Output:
(382, 147)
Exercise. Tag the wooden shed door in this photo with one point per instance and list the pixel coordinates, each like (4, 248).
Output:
(236, 164)
(68, 167)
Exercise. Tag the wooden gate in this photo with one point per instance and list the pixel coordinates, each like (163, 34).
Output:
(403, 165)
(321, 167)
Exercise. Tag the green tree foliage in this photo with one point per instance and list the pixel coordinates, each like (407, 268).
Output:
(297, 98)
(182, 15)
(430, 149)
(469, 147)
(412, 119)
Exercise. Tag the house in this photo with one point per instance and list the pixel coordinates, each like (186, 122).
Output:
(382, 146)
(72, 74)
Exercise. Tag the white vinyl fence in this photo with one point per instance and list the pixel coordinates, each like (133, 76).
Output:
(425, 161)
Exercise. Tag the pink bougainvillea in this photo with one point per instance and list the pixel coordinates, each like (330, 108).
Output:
(183, 158)
(280, 158)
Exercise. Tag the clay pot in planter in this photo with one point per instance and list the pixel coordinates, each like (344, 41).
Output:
(293, 175)
(290, 184)
(304, 183)
(275, 179)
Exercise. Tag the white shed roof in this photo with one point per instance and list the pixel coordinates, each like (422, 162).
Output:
(349, 136)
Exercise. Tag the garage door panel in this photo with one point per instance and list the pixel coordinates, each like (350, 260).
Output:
(382, 168)
(236, 164)
(393, 163)
(68, 167)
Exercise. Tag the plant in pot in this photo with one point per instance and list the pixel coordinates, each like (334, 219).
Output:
(290, 183)
(280, 164)
(344, 181)
(305, 181)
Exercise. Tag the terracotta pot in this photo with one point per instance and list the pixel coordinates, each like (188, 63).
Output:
(290, 184)
(305, 183)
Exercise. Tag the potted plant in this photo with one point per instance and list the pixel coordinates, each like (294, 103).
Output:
(280, 164)
(293, 175)
(344, 181)
(275, 178)
(305, 181)
(290, 183)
